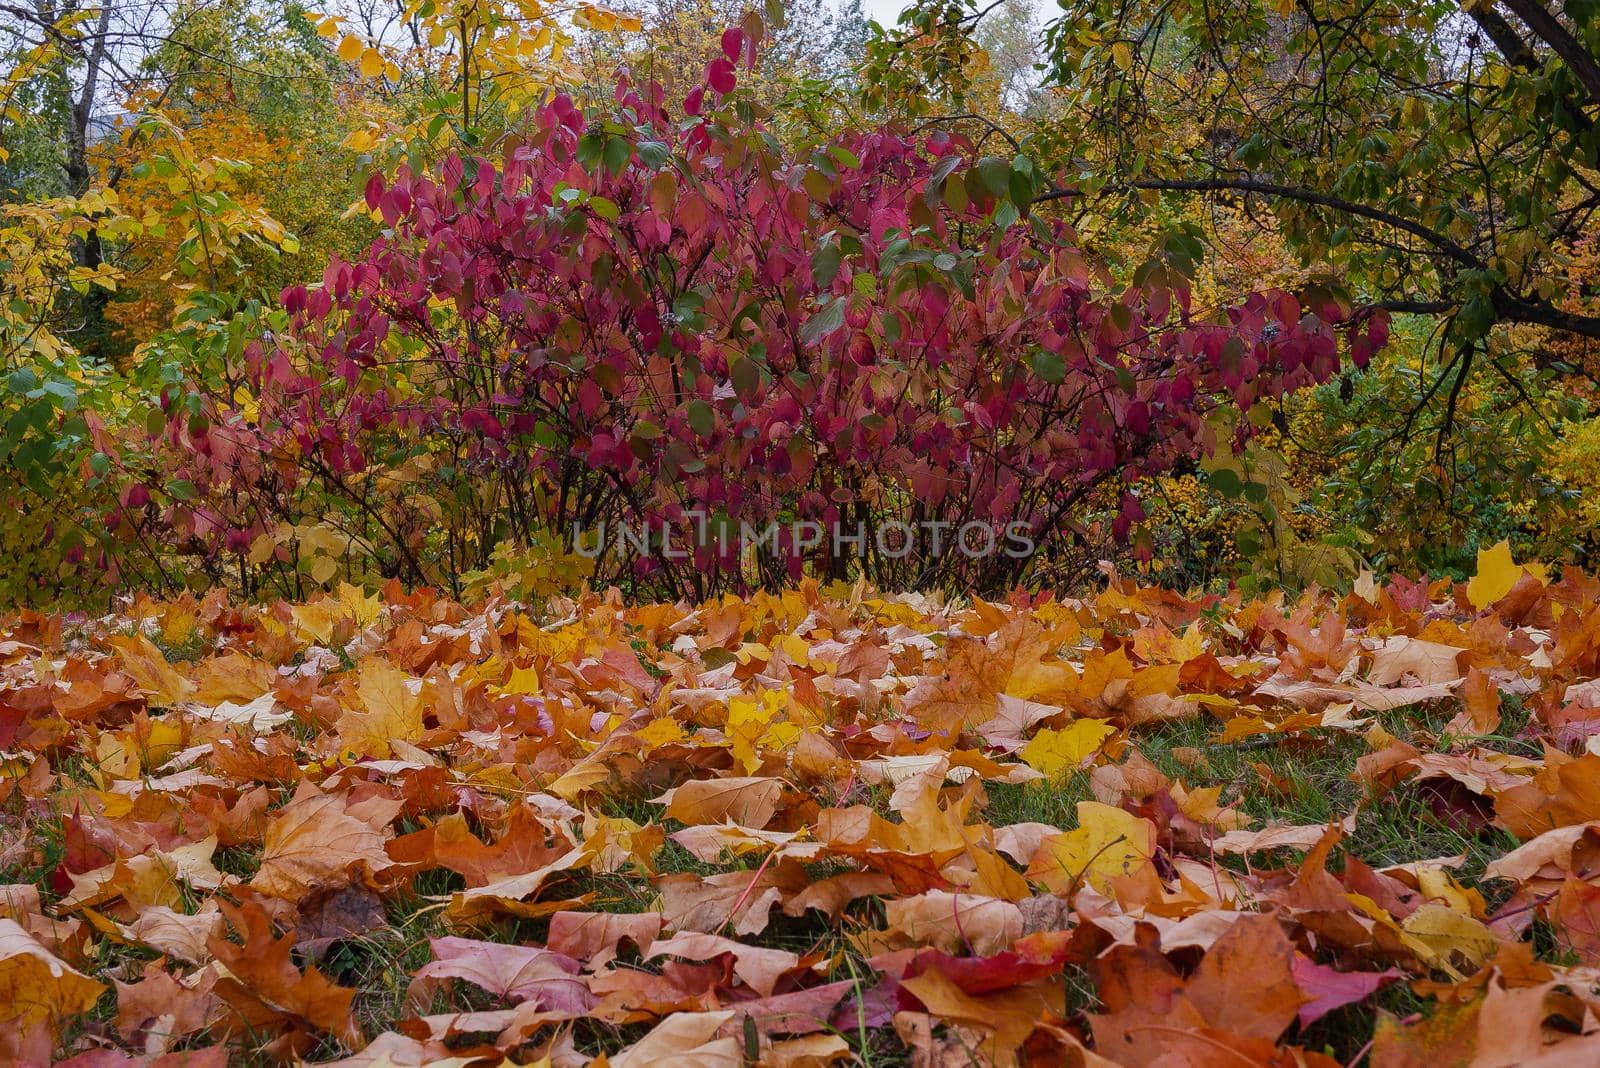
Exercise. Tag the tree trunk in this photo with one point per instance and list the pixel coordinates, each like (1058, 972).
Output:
(89, 251)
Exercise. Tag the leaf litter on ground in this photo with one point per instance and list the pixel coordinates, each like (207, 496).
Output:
(818, 827)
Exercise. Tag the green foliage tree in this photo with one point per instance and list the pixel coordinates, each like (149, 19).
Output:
(1441, 156)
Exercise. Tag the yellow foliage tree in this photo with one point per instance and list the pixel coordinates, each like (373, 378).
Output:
(467, 62)
(205, 212)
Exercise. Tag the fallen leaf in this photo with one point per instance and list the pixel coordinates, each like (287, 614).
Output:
(1107, 844)
(515, 973)
(35, 985)
(758, 968)
(1055, 753)
(749, 802)
(595, 937)
(1495, 576)
(264, 987)
(1329, 989)
(390, 709)
(686, 1038)
(314, 841)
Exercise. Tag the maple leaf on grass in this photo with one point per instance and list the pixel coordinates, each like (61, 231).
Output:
(1497, 575)
(318, 839)
(515, 973)
(749, 802)
(685, 1038)
(737, 900)
(977, 671)
(757, 967)
(1245, 983)
(1108, 844)
(1431, 663)
(524, 845)
(1480, 700)
(159, 1009)
(390, 710)
(162, 684)
(798, 1012)
(36, 986)
(1008, 728)
(178, 934)
(270, 994)
(1241, 997)
(595, 937)
(955, 922)
(510, 893)
(1565, 791)
(1329, 989)
(1004, 1018)
(334, 914)
(1058, 752)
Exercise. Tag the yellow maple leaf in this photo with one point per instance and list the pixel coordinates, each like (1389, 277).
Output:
(1450, 938)
(795, 648)
(179, 624)
(663, 730)
(613, 841)
(162, 684)
(499, 779)
(115, 758)
(37, 985)
(751, 727)
(1497, 573)
(389, 711)
(316, 620)
(1440, 887)
(522, 680)
(1057, 752)
(562, 644)
(359, 605)
(1107, 844)
(127, 754)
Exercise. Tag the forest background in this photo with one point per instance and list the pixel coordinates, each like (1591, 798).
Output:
(175, 174)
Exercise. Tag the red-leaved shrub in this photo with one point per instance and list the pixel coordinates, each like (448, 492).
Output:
(642, 317)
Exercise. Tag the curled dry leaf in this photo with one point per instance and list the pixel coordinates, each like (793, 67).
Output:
(747, 801)
(267, 991)
(515, 973)
(36, 986)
